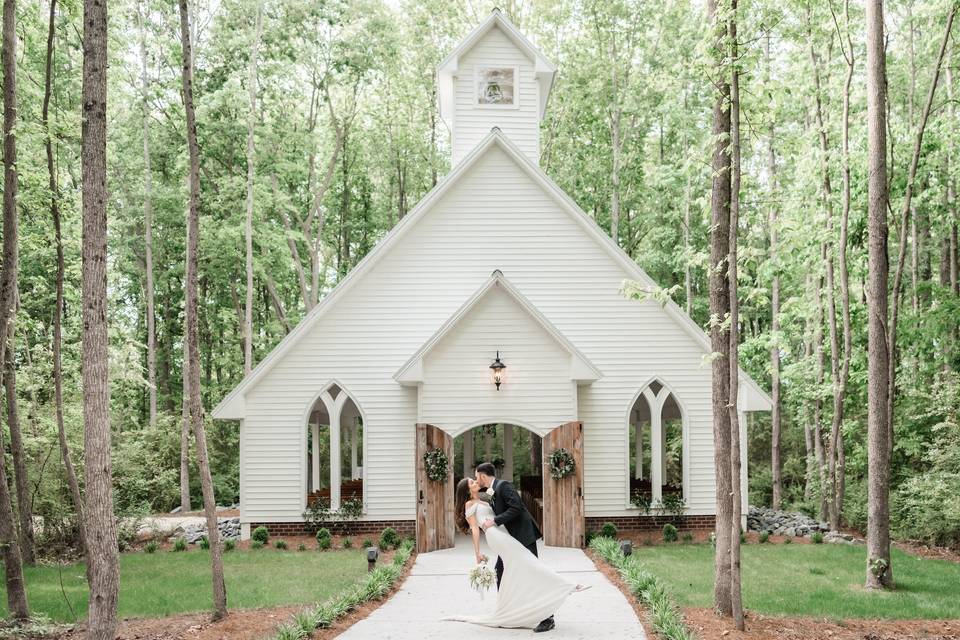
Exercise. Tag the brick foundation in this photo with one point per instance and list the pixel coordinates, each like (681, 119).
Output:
(353, 528)
(654, 523)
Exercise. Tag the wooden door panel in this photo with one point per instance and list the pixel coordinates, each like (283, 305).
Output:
(435, 525)
(564, 523)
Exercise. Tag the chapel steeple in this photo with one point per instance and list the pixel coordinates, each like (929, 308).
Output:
(494, 78)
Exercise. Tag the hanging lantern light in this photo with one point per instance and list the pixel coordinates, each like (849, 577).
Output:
(497, 371)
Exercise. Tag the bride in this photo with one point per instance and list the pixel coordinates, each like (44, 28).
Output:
(530, 590)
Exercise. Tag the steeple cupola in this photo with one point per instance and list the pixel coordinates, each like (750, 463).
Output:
(494, 78)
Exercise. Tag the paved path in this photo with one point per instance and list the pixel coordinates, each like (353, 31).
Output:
(437, 586)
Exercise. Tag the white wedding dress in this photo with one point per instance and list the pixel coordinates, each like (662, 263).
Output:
(529, 590)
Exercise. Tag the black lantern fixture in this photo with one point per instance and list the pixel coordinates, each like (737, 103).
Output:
(497, 368)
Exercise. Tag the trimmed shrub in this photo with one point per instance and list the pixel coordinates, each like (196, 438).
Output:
(389, 538)
(608, 530)
(180, 544)
(669, 533)
(229, 544)
(151, 547)
(204, 542)
(323, 538)
(280, 544)
(260, 534)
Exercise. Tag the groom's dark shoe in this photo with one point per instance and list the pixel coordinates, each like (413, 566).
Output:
(545, 625)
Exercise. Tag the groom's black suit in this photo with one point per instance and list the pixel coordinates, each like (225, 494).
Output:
(511, 513)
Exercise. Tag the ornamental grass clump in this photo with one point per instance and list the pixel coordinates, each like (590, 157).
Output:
(151, 547)
(649, 589)
(179, 544)
(374, 586)
(204, 543)
(281, 545)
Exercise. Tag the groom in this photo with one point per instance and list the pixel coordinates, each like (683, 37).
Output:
(510, 512)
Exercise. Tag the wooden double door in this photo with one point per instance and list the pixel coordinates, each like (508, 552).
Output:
(563, 515)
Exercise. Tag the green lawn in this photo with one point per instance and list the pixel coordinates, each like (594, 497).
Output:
(815, 580)
(164, 583)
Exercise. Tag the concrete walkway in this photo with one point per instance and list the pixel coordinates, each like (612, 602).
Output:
(437, 587)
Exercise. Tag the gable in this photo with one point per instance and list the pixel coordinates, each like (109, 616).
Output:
(496, 208)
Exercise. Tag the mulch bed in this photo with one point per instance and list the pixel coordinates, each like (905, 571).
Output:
(706, 624)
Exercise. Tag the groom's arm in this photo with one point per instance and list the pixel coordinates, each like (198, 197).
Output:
(514, 504)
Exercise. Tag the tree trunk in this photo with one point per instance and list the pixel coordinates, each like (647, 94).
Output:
(193, 400)
(736, 507)
(836, 453)
(148, 223)
(251, 124)
(719, 308)
(61, 268)
(775, 464)
(13, 561)
(103, 570)
(879, 573)
(825, 474)
(21, 478)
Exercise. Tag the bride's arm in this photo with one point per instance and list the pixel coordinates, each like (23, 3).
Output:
(475, 533)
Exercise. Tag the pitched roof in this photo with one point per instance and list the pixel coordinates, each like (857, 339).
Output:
(581, 369)
(232, 406)
(448, 67)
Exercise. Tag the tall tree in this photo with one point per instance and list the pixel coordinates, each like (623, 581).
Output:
(103, 570)
(720, 308)
(733, 404)
(148, 220)
(68, 467)
(251, 125)
(775, 415)
(191, 368)
(879, 570)
(13, 562)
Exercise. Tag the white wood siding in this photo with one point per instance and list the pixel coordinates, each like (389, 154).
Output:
(472, 122)
(457, 391)
(496, 217)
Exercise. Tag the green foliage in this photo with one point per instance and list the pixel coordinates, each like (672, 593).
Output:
(641, 501)
(608, 530)
(367, 543)
(179, 544)
(204, 543)
(816, 537)
(301, 547)
(260, 534)
(389, 538)
(647, 587)
(764, 537)
(674, 504)
(151, 547)
(669, 533)
(229, 544)
(347, 543)
(280, 544)
(374, 586)
(324, 539)
(687, 538)
(256, 544)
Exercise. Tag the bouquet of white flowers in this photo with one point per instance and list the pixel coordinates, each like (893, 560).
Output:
(481, 578)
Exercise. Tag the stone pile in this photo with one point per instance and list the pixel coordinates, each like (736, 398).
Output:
(192, 533)
(783, 523)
